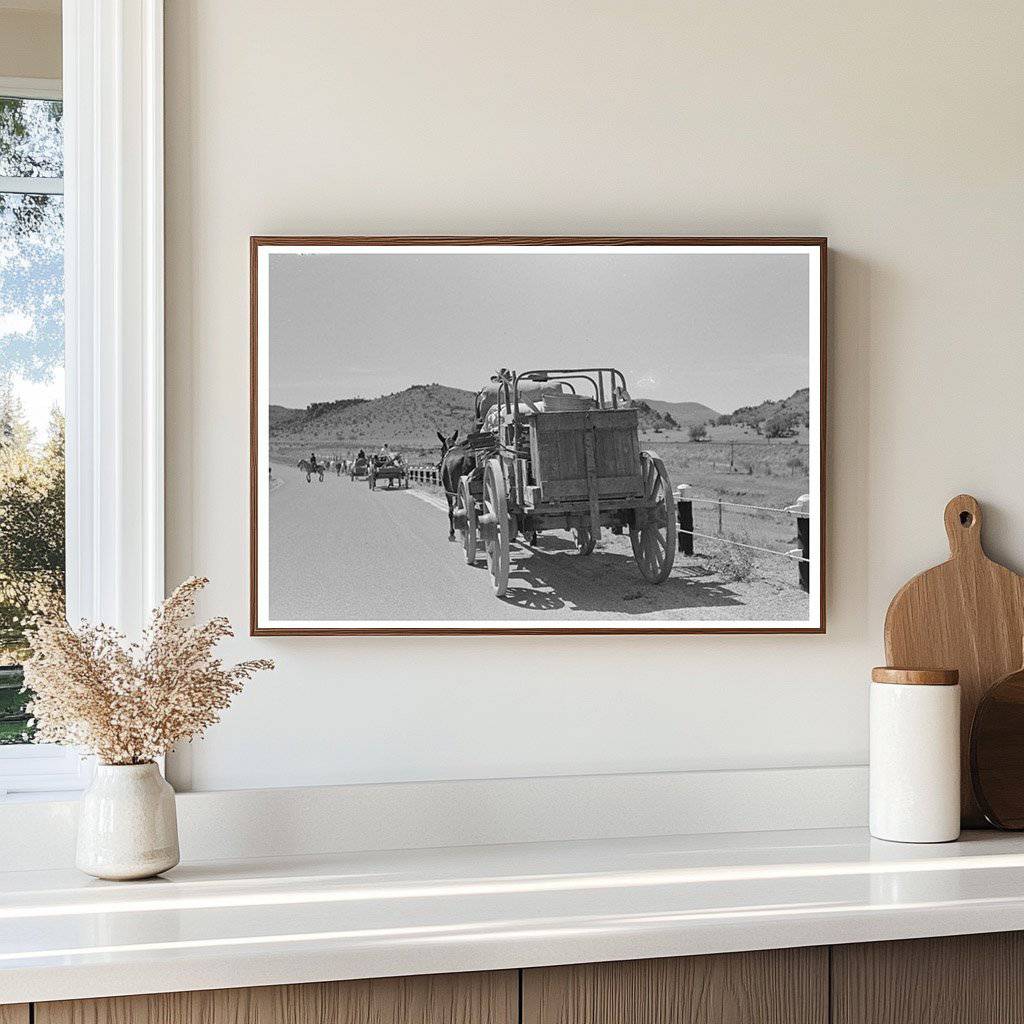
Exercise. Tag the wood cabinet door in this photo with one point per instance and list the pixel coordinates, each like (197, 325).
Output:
(479, 998)
(778, 986)
(961, 979)
(14, 1013)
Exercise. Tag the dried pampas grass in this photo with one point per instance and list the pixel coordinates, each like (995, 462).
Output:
(129, 703)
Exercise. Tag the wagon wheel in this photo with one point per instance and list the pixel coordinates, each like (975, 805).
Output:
(467, 522)
(583, 537)
(653, 535)
(495, 528)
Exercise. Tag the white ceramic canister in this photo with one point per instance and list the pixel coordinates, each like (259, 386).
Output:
(127, 824)
(915, 755)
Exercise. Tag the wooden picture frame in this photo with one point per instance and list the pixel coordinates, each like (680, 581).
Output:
(806, 561)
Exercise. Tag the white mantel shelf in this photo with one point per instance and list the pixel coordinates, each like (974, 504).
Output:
(273, 921)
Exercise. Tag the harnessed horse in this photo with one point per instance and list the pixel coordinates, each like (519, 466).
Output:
(456, 461)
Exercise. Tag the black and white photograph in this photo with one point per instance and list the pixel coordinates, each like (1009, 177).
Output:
(537, 435)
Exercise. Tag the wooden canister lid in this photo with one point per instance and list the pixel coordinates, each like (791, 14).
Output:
(916, 676)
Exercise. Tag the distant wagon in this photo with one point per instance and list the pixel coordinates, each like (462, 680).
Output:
(560, 449)
(360, 468)
(393, 471)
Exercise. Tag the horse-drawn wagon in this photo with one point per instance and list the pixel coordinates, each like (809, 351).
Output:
(360, 468)
(392, 470)
(547, 457)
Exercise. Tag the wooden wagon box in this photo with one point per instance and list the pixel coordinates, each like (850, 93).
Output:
(568, 448)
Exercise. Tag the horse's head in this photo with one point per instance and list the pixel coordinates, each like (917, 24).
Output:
(447, 444)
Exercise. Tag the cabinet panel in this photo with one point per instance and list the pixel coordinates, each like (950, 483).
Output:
(779, 986)
(479, 998)
(962, 979)
(14, 1013)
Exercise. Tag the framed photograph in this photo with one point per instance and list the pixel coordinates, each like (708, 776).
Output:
(456, 435)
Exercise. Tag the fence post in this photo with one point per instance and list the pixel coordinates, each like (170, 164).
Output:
(803, 532)
(684, 513)
(719, 515)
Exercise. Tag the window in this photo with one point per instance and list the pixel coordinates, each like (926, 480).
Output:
(32, 552)
(111, 160)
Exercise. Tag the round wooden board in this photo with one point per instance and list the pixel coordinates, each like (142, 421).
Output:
(997, 753)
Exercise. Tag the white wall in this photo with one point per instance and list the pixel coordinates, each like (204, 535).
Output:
(30, 39)
(895, 129)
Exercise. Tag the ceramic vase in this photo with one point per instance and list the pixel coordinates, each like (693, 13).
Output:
(127, 826)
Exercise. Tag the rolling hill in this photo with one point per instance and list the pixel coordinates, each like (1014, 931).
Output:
(798, 404)
(407, 419)
(684, 413)
(281, 417)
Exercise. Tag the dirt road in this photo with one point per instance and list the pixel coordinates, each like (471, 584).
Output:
(339, 551)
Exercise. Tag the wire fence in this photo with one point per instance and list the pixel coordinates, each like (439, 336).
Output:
(800, 511)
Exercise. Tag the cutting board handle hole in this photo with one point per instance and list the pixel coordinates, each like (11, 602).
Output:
(962, 517)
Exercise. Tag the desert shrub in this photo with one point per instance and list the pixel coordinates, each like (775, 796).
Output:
(782, 424)
(732, 564)
(698, 432)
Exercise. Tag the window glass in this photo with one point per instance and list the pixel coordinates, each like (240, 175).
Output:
(31, 138)
(31, 386)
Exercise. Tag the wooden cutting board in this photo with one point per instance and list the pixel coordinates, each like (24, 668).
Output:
(967, 614)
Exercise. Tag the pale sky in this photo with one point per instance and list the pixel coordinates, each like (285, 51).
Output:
(723, 329)
(38, 400)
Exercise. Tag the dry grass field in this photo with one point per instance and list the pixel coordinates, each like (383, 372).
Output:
(737, 466)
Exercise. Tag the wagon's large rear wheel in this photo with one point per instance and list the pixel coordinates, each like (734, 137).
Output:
(466, 514)
(653, 534)
(494, 525)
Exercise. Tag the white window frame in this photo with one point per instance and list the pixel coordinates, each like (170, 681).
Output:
(31, 88)
(114, 327)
